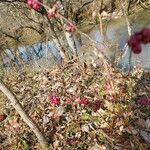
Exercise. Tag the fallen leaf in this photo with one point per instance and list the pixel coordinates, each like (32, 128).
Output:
(2, 117)
(85, 128)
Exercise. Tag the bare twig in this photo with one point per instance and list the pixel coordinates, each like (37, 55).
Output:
(15, 103)
(101, 24)
(129, 31)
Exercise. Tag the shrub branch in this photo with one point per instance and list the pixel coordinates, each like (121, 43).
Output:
(27, 119)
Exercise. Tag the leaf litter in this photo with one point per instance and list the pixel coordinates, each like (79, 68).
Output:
(78, 108)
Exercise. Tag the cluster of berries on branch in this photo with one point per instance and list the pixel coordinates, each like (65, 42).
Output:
(135, 41)
(51, 13)
(35, 4)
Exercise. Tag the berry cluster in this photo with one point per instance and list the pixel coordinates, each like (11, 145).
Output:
(54, 101)
(135, 41)
(35, 4)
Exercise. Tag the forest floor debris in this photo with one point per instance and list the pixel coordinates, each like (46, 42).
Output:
(79, 108)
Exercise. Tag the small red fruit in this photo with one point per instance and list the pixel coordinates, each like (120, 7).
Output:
(51, 13)
(134, 40)
(139, 37)
(137, 49)
(34, 4)
(29, 2)
(70, 28)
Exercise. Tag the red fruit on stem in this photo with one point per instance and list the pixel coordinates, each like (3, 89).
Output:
(29, 2)
(140, 37)
(134, 40)
(69, 27)
(36, 6)
(137, 49)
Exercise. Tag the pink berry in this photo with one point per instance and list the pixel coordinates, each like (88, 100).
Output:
(36, 6)
(51, 13)
(29, 2)
(69, 27)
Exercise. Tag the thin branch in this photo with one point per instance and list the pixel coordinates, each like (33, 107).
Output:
(15, 103)
(129, 31)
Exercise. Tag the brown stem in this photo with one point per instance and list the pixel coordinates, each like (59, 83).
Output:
(27, 119)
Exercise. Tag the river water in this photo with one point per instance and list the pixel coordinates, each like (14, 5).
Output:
(117, 34)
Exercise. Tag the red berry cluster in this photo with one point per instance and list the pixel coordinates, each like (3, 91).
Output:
(35, 4)
(52, 13)
(135, 41)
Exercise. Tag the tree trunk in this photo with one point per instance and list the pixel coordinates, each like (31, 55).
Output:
(15, 103)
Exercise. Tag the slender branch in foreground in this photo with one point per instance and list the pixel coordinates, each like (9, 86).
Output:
(128, 28)
(15, 103)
